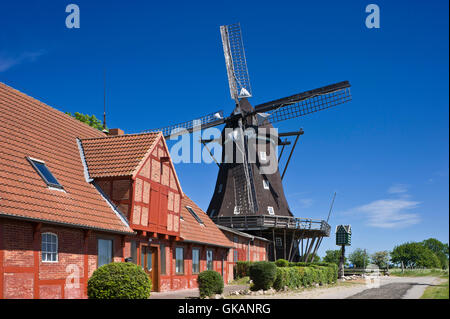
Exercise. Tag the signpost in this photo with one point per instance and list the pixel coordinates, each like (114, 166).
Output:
(343, 238)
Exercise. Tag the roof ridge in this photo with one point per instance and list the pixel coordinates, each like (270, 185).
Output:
(118, 136)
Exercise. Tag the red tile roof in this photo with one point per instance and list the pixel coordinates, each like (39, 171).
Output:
(117, 155)
(192, 231)
(31, 128)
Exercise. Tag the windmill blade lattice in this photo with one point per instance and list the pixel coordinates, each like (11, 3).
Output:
(233, 48)
(203, 122)
(304, 103)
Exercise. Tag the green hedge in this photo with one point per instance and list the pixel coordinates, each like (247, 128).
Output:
(295, 276)
(242, 269)
(119, 281)
(210, 282)
(263, 274)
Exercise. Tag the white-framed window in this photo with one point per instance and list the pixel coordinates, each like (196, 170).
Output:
(270, 210)
(220, 188)
(104, 251)
(195, 260)
(237, 210)
(262, 156)
(266, 184)
(209, 259)
(49, 247)
(179, 260)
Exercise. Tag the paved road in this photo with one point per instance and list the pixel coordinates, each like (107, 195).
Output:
(389, 291)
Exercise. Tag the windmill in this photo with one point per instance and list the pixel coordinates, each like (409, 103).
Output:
(249, 193)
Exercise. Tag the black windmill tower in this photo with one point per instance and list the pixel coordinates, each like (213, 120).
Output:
(249, 194)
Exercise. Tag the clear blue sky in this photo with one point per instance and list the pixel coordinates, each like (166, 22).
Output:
(385, 153)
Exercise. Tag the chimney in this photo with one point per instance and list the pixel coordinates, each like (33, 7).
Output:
(115, 132)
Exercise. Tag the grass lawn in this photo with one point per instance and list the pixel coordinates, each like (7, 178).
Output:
(419, 273)
(437, 292)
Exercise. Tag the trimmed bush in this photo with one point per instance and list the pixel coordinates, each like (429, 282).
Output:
(295, 277)
(241, 269)
(291, 277)
(282, 263)
(263, 274)
(210, 282)
(119, 281)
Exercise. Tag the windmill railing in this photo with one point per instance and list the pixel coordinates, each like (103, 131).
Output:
(265, 221)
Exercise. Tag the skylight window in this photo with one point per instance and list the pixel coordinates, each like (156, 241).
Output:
(44, 172)
(194, 215)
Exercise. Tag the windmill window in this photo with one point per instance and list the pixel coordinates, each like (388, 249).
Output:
(194, 215)
(213, 211)
(262, 156)
(237, 210)
(220, 188)
(44, 172)
(49, 247)
(270, 210)
(266, 184)
(278, 241)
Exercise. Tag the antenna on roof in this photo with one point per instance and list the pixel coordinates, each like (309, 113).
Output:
(104, 99)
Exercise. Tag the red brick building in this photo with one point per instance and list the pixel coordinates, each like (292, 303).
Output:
(73, 198)
(246, 247)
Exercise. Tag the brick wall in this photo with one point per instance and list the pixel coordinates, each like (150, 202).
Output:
(23, 274)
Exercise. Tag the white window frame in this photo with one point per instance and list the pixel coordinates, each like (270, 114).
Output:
(270, 210)
(237, 210)
(209, 252)
(49, 252)
(266, 184)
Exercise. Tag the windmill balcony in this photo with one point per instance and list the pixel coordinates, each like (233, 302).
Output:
(268, 222)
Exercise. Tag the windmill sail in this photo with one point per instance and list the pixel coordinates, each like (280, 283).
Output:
(233, 49)
(304, 103)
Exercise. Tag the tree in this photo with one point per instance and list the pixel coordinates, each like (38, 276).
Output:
(439, 249)
(359, 258)
(90, 120)
(332, 256)
(413, 255)
(380, 258)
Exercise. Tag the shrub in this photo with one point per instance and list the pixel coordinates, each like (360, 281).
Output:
(295, 277)
(119, 281)
(282, 263)
(210, 282)
(241, 269)
(262, 274)
(290, 277)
